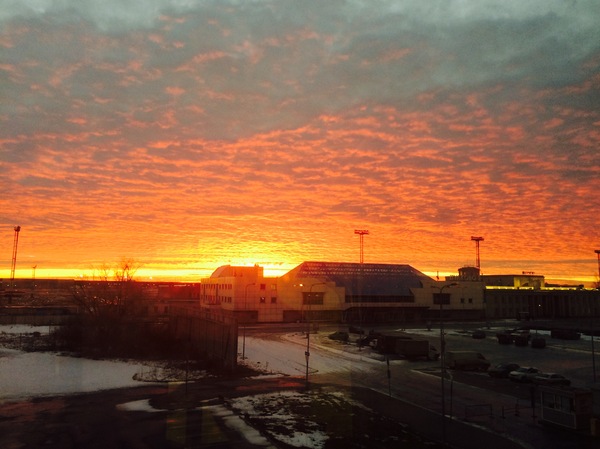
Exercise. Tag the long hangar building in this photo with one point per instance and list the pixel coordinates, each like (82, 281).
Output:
(368, 292)
(342, 292)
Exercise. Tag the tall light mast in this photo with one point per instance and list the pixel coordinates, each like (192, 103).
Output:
(477, 240)
(597, 251)
(362, 233)
(14, 254)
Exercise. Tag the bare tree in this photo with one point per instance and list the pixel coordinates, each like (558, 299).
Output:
(102, 297)
(124, 276)
(126, 270)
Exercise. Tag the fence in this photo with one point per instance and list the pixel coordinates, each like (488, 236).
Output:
(213, 334)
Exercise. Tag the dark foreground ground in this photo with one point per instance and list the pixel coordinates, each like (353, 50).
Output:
(182, 419)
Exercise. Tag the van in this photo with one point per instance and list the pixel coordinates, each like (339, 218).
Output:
(466, 360)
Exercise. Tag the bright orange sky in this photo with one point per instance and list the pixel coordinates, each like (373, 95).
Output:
(187, 136)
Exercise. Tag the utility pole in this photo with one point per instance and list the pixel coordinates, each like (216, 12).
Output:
(477, 240)
(362, 233)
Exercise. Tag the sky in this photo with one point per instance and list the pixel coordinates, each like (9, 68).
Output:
(188, 134)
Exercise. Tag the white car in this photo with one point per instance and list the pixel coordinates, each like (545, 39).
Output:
(551, 379)
(524, 374)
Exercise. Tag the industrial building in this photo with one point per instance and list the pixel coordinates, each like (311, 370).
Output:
(340, 292)
(326, 291)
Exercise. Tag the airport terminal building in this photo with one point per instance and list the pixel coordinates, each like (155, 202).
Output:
(323, 291)
(340, 292)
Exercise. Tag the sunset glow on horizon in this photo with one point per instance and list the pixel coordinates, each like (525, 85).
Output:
(187, 135)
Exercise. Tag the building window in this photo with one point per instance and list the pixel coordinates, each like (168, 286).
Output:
(462, 300)
(312, 298)
(273, 300)
(263, 286)
(263, 300)
(274, 287)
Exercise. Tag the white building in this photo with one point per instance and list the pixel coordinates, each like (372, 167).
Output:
(340, 292)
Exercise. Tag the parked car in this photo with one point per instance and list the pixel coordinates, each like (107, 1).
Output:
(502, 370)
(521, 340)
(504, 338)
(478, 334)
(340, 336)
(524, 374)
(565, 334)
(550, 379)
(522, 333)
(466, 360)
(538, 342)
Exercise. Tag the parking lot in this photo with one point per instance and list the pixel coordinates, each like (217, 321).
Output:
(572, 358)
(505, 406)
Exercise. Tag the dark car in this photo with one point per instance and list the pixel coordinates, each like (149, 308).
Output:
(565, 334)
(538, 342)
(504, 338)
(550, 379)
(478, 334)
(502, 370)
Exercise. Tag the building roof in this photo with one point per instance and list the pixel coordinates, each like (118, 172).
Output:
(366, 278)
(237, 271)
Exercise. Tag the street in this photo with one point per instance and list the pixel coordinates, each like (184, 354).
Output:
(503, 406)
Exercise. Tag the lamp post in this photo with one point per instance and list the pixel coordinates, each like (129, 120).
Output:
(597, 251)
(244, 330)
(443, 357)
(592, 317)
(307, 352)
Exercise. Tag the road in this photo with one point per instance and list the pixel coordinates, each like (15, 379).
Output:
(498, 404)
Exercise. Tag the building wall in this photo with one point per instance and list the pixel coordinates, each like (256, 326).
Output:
(515, 280)
(244, 293)
(541, 303)
(466, 301)
(310, 298)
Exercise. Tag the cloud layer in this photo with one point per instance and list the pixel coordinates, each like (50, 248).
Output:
(194, 133)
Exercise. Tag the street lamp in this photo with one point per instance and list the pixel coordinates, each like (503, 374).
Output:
(597, 251)
(244, 330)
(443, 356)
(307, 352)
(592, 317)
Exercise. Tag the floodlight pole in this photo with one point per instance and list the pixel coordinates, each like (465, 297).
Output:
(597, 251)
(362, 233)
(477, 259)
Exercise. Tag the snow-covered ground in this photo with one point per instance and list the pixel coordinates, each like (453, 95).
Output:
(25, 375)
(31, 374)
(287, 356)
